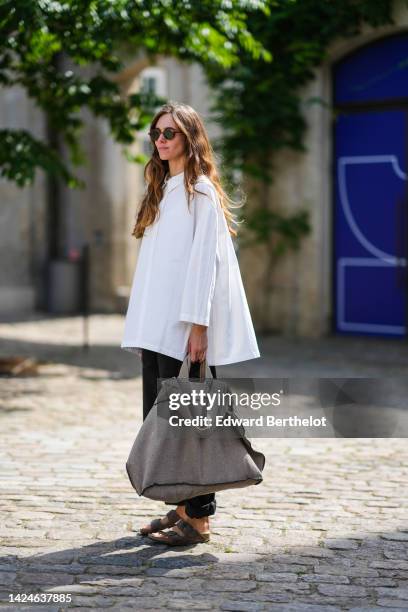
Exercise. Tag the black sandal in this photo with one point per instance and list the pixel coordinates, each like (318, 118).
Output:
(170, 519)
(190, 536)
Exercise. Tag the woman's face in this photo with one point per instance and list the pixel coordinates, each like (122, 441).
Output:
(169, 150)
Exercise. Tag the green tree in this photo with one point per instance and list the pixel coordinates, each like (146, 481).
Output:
(101, 34)
(260, 105)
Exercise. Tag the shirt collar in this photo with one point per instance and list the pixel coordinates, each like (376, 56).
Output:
(170, 182)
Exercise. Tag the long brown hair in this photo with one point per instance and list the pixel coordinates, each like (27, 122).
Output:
(199, 160)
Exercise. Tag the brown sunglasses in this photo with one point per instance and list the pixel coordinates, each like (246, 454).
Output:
(168, 133)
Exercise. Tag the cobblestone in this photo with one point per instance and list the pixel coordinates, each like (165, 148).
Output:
(326, 531)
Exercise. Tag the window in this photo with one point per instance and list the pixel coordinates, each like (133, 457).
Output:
(152, 81)
(149, 84)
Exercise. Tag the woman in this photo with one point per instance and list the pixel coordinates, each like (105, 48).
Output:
(187, 295)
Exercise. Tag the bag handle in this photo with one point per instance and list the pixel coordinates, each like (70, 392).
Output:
(203, 368)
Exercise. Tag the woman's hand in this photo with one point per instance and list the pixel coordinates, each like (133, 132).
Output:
(197, 342)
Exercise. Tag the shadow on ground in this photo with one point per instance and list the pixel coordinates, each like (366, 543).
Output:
(344, 573)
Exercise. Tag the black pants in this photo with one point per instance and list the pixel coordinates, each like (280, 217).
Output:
(154, 366)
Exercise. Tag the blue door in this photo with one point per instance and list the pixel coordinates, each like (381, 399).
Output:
(370, 191)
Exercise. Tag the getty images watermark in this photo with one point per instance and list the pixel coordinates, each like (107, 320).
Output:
(288, 407)
(255, 401)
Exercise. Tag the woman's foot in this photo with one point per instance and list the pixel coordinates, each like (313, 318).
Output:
(166, 521)
(202, 525)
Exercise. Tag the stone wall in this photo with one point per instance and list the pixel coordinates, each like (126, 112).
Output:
(294, 297)
(22, 218)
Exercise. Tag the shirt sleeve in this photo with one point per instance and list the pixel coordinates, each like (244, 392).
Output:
(199, 283)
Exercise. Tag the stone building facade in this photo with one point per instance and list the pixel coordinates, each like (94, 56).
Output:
(349, 276)
(303, 295)
(101, 215)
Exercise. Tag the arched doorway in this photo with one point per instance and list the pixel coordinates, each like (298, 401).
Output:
(370, 220)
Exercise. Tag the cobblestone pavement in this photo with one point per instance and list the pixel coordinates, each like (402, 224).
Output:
(327, 530)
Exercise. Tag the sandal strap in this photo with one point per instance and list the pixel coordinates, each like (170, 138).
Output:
(157, 524)
(188, 529)
(189, 533)
(173, 517)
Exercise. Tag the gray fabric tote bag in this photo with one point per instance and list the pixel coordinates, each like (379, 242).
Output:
(171, 462)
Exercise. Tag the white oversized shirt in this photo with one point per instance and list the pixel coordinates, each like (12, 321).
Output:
(187, 272)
